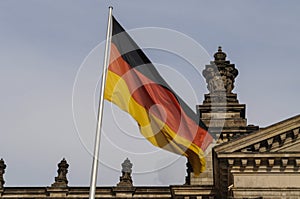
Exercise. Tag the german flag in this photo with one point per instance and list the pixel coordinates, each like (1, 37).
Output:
(163, 117)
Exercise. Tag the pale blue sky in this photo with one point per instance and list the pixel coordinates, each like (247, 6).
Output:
(44, 43)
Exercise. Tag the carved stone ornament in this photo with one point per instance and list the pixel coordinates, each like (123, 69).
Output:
(61, 179)
(2, 171)
(220, 74)
(125, 179)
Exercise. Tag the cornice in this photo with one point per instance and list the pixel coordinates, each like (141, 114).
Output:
(265, 139)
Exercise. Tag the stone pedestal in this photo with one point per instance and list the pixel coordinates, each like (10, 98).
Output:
(224, 116)
(58, 192)
(123, 192)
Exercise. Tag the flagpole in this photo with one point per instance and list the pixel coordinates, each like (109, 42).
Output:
(93, 181)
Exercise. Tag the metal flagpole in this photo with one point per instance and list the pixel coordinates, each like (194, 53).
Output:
(100, 110)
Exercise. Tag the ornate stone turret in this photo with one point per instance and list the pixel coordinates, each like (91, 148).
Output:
(221, 111)
(124, 188)
(61, 179)
(125, 179)
(2, 171)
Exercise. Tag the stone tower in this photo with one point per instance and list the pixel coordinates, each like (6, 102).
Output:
(221, 111)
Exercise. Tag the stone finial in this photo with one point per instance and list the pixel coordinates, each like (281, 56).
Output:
(125, 179)
(2, 171)
(220, 55)
(61, 179)
(220, 74)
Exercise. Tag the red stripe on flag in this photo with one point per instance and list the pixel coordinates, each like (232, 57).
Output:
(148, 93)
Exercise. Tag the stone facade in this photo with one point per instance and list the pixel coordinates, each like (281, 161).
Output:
(244, 161)
(263, 164)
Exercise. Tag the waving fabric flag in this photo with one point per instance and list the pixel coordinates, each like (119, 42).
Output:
(163, 117)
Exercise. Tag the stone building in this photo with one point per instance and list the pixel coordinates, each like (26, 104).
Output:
(245, 162)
